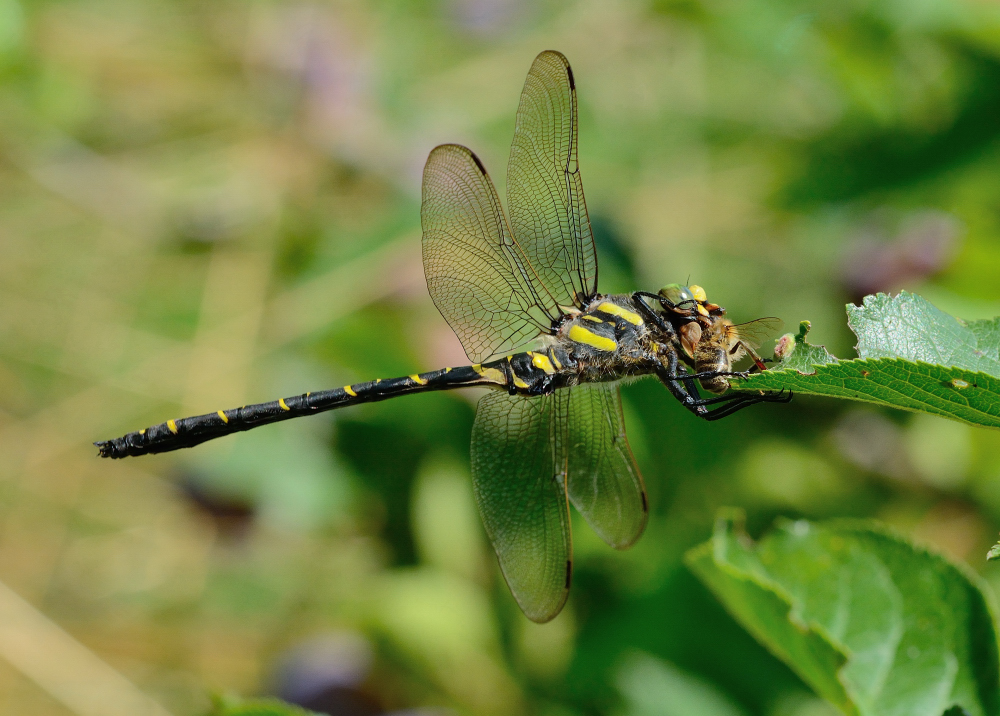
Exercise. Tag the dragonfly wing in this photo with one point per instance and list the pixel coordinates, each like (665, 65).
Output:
(544, 191)
(519, 483)
(604, 482)
(478, 278)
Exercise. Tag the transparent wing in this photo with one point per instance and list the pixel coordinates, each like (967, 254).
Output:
(480, 281)
(753, 333)
(544, 191)
(604, 482)
(517, 476)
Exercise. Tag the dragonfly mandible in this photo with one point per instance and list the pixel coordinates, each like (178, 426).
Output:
(520, 291)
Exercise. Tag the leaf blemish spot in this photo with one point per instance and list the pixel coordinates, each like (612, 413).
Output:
(959, 384)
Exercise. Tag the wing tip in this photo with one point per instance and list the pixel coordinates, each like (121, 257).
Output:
(547, 614)
(479, 164)
(561, 58)
(451, 147)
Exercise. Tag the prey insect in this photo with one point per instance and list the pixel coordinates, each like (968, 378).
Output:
(520, 291)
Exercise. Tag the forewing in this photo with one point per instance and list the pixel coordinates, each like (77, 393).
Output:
(544, 190)
(477, 277)
(753, 333)
(520, 489)
(604, 482)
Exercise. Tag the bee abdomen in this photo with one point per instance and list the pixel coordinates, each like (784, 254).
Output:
(710, 360)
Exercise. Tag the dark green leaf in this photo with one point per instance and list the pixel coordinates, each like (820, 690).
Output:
(911, 356)
(873, 624)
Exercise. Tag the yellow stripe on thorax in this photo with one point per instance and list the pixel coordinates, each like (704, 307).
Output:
(595, 319)
(581, 335)
(615, 310)
(542, 362)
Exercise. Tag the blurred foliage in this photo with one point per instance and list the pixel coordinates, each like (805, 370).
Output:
(257, 707)
(204, 205)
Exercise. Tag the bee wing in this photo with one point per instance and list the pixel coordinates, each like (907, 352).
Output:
(753, 333)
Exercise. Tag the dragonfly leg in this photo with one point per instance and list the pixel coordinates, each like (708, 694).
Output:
(685, 390)
(649, 314)
(747, 399)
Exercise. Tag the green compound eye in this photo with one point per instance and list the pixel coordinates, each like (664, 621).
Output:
(675, 293)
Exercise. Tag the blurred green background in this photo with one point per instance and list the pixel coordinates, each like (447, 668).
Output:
(204, 205)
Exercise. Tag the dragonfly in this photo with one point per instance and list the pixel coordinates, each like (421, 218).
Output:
(519, 289)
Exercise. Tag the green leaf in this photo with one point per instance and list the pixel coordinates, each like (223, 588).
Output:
(912, 356)
(875, 625)
(911, 327)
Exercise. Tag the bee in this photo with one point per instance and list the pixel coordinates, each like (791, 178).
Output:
(722, 343)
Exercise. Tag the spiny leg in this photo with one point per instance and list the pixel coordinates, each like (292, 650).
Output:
(685, 390)
(682, 387)
(737, 405)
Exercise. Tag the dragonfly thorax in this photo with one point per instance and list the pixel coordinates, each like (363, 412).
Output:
(609, 332)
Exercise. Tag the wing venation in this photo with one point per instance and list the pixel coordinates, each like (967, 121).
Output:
(518, 478)
(604, 482)
(548, 213)
(478, 278)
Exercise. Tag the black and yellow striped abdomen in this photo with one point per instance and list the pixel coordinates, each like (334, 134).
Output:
(529, 373)
(188, 432)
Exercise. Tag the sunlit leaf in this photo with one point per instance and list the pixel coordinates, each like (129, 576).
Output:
(873, 624)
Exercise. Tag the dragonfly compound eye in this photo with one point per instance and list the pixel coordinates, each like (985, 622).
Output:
(675, 293)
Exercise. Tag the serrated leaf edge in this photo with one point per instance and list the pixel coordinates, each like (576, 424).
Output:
(964, 374)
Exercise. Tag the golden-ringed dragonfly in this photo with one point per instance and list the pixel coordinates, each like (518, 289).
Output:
(520, 291)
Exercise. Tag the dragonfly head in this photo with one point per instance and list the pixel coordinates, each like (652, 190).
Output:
(691, 313)
(691, 299)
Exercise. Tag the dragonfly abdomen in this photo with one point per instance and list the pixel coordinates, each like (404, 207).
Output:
(188, 432)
